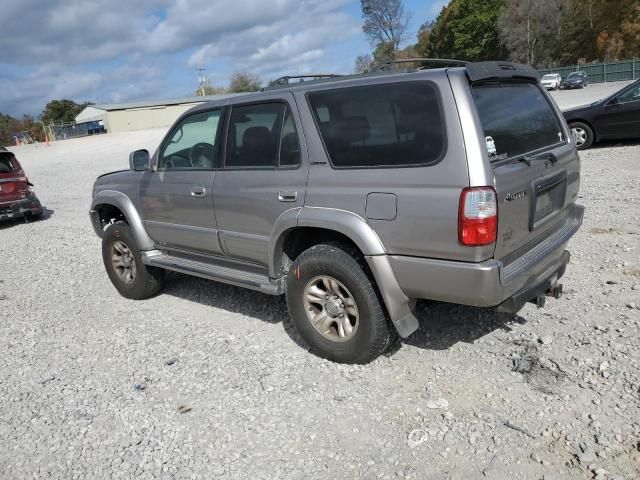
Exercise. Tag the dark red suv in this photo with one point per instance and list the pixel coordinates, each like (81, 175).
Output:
(17, 199)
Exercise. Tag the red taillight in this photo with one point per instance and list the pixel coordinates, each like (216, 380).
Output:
(17, 187)
(478, 216)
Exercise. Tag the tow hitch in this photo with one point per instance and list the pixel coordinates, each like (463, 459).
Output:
(555, 292)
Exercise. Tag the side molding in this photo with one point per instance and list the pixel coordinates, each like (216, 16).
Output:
(125, 205)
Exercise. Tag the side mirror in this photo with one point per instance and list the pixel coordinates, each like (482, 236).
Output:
(139, 160)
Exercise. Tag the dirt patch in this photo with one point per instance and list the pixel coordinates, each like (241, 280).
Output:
(541, 373)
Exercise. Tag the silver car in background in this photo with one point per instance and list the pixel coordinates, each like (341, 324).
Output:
(551, 81)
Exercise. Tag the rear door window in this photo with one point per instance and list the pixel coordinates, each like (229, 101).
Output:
(397, 124)
(517, 118)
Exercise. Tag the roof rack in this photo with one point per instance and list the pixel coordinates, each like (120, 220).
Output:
(425, 63)
(286, 80)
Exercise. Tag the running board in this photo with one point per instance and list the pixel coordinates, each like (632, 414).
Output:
(213, 271)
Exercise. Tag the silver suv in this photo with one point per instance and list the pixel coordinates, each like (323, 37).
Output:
(354, 196)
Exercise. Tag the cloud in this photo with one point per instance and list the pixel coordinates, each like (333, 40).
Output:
(70, 31)
(121, 50)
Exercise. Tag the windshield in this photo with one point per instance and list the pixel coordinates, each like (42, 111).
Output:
(549, 77)
(517, 118)
(574, 75)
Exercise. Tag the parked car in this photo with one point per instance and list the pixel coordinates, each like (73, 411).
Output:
(17, 198)
(575, 80)
(354, 196)
(616, 117)
(551, 81)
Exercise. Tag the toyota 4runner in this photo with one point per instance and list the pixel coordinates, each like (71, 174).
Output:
(354, 196)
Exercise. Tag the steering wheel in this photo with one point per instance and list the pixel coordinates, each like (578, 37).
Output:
(202, 155)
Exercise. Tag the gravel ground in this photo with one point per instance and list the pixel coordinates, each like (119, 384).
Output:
(204, 381)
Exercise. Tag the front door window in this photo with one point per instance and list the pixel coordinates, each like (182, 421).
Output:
(193, 144)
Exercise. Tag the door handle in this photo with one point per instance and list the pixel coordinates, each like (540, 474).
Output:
(287, 195)
(198, 191)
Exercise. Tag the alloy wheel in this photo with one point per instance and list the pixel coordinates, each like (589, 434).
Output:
(579, 136)
(123, 262)
(331, 308)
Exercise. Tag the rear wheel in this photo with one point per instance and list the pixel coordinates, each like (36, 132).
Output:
(123, 262)
(335, 306)
(582, 135)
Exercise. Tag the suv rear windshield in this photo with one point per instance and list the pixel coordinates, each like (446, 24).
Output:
(517, 118)
(395, 124)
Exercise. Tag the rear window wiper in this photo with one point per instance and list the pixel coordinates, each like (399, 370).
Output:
(529, 159)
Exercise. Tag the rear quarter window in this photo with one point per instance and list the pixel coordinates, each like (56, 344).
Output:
(390, 125)
(518, 118)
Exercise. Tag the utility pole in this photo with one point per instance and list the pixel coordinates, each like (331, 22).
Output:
(201, 80)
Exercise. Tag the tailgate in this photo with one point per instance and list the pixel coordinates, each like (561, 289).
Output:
(536, 169)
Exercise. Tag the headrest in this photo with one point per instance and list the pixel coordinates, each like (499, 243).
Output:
(256, 138)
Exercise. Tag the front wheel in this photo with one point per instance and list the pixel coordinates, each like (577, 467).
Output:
(582, 135)
(123, 262)
(335, 306)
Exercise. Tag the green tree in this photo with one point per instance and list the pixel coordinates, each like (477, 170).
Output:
(384, 52)
(62, 111)
(9, 126)
(465, 30)
(244, 82)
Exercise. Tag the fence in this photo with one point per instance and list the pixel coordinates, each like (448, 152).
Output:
(601, 72)
(62, 131)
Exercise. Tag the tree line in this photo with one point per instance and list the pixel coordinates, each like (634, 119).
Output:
(542, 33)
(55, 111)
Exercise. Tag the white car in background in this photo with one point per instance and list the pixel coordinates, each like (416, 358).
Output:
(551, 81)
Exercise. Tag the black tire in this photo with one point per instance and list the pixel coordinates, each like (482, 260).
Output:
(588, 134)
(373, 334)
(147, 282)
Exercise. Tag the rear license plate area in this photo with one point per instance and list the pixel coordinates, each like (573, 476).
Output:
(548, 199)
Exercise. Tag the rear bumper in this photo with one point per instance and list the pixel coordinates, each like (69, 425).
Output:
(20, 208)
(489, 283)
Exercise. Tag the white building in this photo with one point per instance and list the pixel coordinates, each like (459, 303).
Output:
(124, 117)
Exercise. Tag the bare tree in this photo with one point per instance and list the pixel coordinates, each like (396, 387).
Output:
(385, 21)
(363, 63)
(244, 82)
(523, 26)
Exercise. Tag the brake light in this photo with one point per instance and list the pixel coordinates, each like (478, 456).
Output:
(478, 216)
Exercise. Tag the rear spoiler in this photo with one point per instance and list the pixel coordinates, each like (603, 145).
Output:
(494, 70)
